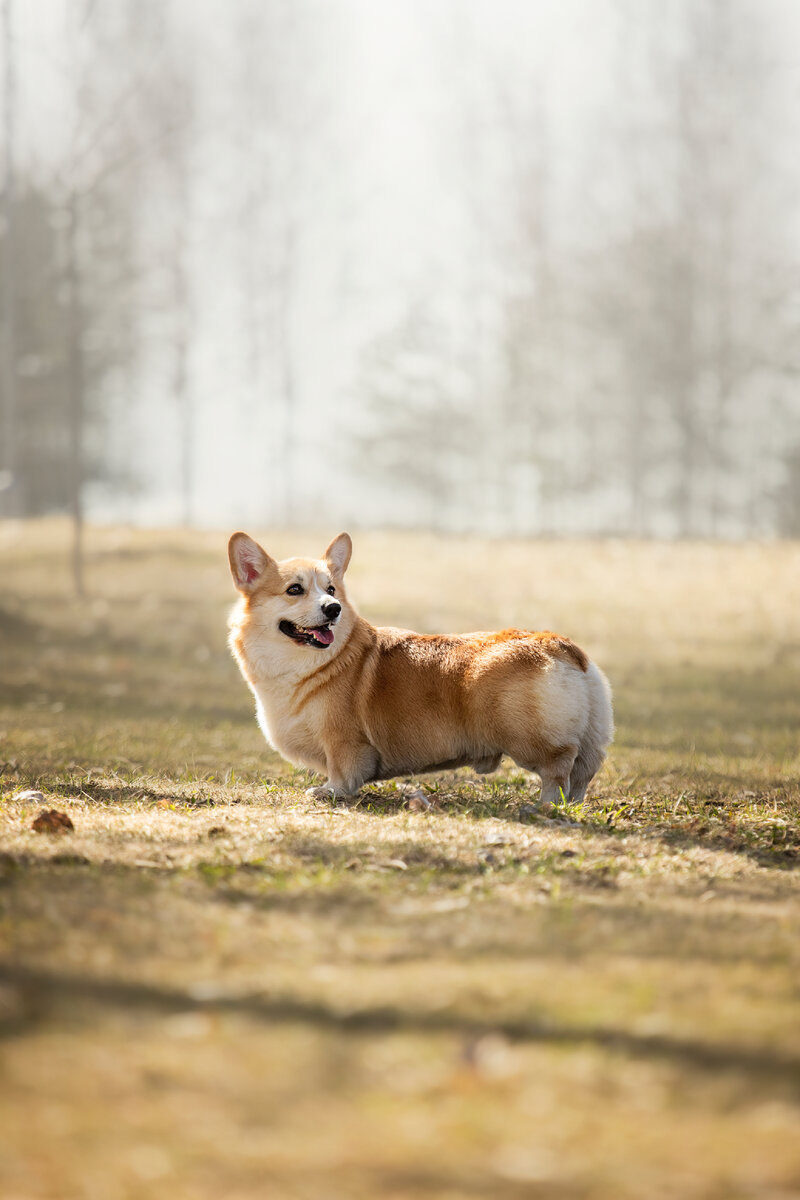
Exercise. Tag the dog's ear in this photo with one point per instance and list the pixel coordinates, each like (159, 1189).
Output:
(248, 562)
(337, 556)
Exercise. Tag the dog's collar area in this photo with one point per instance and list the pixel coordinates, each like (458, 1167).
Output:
(319, 635)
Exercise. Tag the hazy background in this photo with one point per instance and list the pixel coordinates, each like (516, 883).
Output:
(511, 267)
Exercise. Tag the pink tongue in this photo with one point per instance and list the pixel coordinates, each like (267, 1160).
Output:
(325, 636)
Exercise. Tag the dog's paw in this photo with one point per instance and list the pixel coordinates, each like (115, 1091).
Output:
(325, 792)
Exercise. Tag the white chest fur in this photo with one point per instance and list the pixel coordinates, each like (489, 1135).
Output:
(294, 736)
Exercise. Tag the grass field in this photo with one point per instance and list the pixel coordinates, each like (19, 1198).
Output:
(215, 987)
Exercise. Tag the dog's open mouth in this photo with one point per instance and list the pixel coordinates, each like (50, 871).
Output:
(318, 635)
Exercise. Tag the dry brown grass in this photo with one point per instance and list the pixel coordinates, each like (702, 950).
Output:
(216, 987)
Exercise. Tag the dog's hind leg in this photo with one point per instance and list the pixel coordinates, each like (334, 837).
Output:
(582, 775)
(587, 764)
(555, 777)
(554, 774)
(599, 732)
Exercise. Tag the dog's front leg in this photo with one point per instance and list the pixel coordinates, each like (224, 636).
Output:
(349, 768)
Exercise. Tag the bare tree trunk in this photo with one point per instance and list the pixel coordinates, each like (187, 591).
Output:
(529, 434)
(684, 301)
(685, 500)
(9, 491)
(76, 380)
(180, 378)
(287, 382)
(187, 424)
(725, 368)
(635, 452)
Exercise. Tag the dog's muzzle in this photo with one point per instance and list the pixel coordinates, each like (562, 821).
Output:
(317, 635)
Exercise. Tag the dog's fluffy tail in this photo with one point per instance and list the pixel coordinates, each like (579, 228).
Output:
(597, 735)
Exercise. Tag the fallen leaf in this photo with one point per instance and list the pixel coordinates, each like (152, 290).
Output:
(52, 821)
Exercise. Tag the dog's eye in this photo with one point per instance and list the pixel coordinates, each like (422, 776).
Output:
(331, 590)
(296, 589)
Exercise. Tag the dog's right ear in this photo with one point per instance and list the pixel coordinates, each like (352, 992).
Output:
(248, 562)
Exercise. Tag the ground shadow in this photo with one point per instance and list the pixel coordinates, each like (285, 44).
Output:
(44, 991)
(734, 840)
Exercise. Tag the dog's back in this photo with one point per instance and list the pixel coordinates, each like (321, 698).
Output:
(435, 701)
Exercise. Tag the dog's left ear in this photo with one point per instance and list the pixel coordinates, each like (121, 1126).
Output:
(337, 556)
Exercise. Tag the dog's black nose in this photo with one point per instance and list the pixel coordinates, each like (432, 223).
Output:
(331, 609)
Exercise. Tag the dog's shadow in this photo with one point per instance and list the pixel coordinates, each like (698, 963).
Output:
(522, 806)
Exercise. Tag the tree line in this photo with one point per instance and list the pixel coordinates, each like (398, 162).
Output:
(617, 356)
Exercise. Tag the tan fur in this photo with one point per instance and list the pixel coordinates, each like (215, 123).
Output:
(377, 703)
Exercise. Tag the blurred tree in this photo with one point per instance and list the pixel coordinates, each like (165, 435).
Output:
(280, 107)
(97, 193)
(420, 428)
(532, 387)
(41, 433)
(788, 495)
(9, 467)
(172, 175)
(513, 395)
(45, 424)
(688, 288)
(95, 230)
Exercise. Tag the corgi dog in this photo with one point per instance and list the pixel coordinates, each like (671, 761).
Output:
(357, 703)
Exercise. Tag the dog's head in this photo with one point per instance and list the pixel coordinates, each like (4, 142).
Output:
(300, 602)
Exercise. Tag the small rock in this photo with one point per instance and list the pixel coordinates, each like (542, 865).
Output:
(206, 991)
(52, 821)
(488, 1054)
(189, 1024)
(30, 795)
(526, 811)
(417, 801)
(217, 831)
